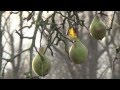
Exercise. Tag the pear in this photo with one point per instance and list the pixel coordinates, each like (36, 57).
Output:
(97, 28)
(78, 52)
(41, 64)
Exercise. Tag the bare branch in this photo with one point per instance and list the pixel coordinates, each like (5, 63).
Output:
(111, 25)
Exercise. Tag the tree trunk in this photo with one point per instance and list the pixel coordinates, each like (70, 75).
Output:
(1, 47)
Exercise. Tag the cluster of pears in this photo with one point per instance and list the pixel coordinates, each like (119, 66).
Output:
(97, 28)
(78, 52)
(41, 64)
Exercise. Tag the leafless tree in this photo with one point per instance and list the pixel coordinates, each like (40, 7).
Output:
(52, 30)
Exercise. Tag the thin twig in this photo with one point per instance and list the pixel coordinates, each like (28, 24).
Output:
(111, 22)
(21, 36)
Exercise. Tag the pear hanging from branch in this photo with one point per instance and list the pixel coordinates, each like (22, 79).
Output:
(41, 64)
(97, 28)
(78, 52)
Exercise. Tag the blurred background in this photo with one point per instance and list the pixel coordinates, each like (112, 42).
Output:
(23, 31)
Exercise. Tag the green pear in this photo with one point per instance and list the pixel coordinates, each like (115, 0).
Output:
(41, 64)
(78, 52)
(97, 28)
